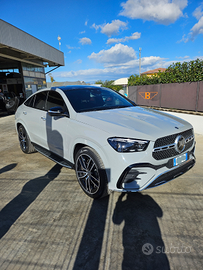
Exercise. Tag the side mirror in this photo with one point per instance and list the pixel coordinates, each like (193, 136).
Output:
(57, 111)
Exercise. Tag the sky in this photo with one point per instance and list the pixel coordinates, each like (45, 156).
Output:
(101, 39)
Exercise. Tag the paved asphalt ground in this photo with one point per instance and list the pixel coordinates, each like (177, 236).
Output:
(47, 222)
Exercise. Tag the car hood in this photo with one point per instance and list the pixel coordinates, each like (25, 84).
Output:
(134, 122)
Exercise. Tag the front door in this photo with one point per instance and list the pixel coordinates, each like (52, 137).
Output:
(56, 126)
(37, 119)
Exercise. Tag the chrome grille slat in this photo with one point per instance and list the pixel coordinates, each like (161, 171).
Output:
(165, 147)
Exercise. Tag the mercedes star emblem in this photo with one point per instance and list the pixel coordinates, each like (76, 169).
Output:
(180, 144)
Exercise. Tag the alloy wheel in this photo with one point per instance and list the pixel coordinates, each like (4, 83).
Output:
(22, 138)
(87, 174)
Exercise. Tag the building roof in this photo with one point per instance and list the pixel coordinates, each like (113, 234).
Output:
(18, 45)
(156, 70)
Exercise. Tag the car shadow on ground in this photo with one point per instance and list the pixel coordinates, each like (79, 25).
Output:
(142, 239)
(141, 235)
(88, 256)
(8, 168)
(15, 208)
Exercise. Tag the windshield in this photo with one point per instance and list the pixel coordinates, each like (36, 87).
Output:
(94, 99)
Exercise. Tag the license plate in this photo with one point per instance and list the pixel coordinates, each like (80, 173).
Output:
(180, 159)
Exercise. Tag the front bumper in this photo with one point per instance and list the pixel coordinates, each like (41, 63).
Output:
(160, 174)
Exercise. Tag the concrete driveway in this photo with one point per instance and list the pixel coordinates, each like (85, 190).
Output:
(47, 222)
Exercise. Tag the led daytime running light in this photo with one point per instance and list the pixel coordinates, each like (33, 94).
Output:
(128, 145)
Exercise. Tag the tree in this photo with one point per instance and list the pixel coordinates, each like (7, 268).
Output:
(176, 73)
(109, 84)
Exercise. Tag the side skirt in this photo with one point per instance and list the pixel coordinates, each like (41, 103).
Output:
(60, 160)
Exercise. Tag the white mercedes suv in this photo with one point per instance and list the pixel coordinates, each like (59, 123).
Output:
(112, 143)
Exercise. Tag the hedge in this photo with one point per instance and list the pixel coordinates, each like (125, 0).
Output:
(176, 73)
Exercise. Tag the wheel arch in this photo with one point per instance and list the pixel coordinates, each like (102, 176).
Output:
(18, 124)
(78, 145)
(21, 123)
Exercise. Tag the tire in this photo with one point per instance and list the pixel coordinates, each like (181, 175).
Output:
(24, 140)
(91, 173)
(12, 105)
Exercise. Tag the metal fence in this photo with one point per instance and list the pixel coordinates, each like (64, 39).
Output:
(183, 96)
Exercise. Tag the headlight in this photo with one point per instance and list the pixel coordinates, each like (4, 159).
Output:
(128, 145)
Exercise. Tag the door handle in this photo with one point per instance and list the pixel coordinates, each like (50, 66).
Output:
(43, 118)
(25, 113)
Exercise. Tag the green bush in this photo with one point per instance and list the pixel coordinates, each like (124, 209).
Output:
(176, 73)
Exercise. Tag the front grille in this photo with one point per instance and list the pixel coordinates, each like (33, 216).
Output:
(171, 138)
(165, 147)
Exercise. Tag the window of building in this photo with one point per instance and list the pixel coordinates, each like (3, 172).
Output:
(34, 78)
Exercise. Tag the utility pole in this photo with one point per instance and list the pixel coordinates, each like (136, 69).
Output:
(59, 40)
(140, 61)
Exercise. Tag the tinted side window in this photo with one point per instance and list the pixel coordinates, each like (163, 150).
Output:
(55, 99)
(30, 101)
(40, 100)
